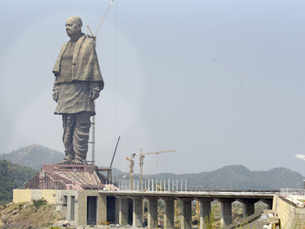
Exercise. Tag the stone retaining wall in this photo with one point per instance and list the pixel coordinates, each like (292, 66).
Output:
(291, 216)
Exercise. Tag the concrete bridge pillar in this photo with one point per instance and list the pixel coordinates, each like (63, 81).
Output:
(186, 216)
(205, 212)
(226, 212)
(169, 222)
(123, 210)
(137, 215)
(69, 207)
(268, 202)
(117, 211)
(152, 217)
(101, 217)
(248, 206)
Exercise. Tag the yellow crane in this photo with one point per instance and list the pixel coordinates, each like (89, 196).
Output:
(131, 166)
(142, 155)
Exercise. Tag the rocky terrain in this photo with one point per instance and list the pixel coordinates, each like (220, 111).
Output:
(36, 215)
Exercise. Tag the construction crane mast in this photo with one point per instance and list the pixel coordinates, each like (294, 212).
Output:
(131, 169)
(141, 161)
(142, 156)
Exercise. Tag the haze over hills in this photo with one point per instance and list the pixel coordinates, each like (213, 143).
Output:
(235, 177)
(238, 177)
(33, 156)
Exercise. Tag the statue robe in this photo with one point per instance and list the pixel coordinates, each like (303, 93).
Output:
(74, 91)
(85, 66)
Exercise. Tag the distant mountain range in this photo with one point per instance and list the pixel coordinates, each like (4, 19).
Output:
(233, 177)
(33, 156)
(238, 177)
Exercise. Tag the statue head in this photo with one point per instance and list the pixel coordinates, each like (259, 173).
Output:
(74, 26)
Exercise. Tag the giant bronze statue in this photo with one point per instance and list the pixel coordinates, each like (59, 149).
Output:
(78, 82)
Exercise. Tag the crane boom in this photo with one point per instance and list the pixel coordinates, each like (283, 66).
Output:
(115, 149)
(156, 153)
(141, 161)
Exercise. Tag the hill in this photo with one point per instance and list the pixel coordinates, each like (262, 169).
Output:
(12, 176)
(33, 156)
(238, 177)
(233, 177)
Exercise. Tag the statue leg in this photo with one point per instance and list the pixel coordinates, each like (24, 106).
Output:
(69, 126)
(81, 136)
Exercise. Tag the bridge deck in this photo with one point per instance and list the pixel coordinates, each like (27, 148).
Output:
(194, 195)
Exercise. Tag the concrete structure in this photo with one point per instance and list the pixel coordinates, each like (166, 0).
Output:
(186, 216)
(91, 207)
(28, 195)
(248, 206)
(169, 216)
(291, 216)
(123, 211)
(205, 211)
(226, 211)
(152, 219)
(68, 177)
(137, 213)
(185, 198)
(80, 207)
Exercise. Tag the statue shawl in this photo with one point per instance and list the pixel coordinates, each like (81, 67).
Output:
(85, 65)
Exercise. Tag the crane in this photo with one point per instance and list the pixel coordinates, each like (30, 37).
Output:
(300, 156)
(141, 161)
(131, 166)
(94, 36)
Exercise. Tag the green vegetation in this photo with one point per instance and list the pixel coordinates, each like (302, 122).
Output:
(12, 176)
(38, 203)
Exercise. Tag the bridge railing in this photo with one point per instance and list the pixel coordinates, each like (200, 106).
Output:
(171, 185)
(153, 185)
(292, 192)
(296, 196)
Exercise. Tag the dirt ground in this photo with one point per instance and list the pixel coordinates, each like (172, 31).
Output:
(28, 216)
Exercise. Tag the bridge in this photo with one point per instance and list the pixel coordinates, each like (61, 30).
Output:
(129, 206)
(84, 197)
(100, 207)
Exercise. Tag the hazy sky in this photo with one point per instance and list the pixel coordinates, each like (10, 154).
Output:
(220, 81)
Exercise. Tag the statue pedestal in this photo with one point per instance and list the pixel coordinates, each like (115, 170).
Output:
(68, 177)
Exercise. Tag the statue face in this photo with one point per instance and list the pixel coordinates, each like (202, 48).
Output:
(72, 27)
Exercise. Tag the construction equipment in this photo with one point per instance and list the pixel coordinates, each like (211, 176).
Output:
(300, 156)
(131, 166)
(92, 142)
(109, 174)
(114, 153)
(94, 36)
(141, 161)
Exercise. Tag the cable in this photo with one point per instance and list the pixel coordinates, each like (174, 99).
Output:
(103, 17)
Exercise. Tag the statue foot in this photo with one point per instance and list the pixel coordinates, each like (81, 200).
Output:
(79, 161)
(67, 160)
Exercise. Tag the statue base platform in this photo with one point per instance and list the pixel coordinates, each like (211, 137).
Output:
(69, 177)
